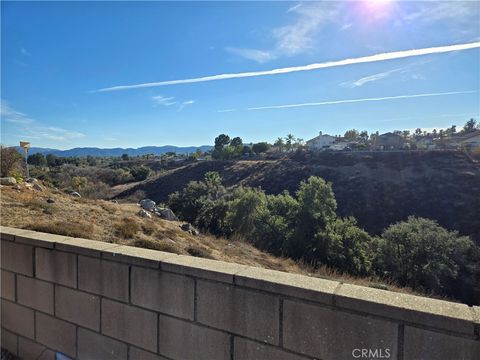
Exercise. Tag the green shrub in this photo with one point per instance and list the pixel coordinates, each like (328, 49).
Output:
(423, 255)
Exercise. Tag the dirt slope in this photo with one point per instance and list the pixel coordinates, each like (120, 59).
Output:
(105, 221)
(378, 188)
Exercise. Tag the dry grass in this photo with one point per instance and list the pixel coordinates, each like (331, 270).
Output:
(199, 252)
(127, 228)
(149, 227)
(157, 245)
(79, 229)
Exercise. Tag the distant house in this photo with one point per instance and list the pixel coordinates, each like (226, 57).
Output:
(320, 142)
(388, 141)
(339, 146)
(426, 143)
(470, 141)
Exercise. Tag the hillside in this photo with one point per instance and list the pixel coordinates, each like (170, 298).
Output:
(377, 188)
(23, 207)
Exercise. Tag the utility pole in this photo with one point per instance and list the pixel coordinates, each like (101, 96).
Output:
(25, 145)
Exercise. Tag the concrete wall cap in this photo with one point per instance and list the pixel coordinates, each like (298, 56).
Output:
(202, 268)
(85, 246)
(40, 239)
(136, 256)
(416, 309)
(476, 314)
(8, 233)
(295, 285)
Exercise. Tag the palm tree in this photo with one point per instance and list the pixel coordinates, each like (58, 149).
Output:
(289, 139)
(279, 144)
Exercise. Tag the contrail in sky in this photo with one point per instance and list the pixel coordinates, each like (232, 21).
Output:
(360, 100)
(328, 64)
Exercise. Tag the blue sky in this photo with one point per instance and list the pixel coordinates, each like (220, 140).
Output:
(56, 56)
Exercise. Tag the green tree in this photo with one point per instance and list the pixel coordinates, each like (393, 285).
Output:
(211, 216)
(53, 160)
(221, 141)
(260, 147)
(236, 142)
(283, 205)
(140, 173)
(91, 160)
(37, 159)
(316, 210)
(280, 144)
(364, 136)
(346, 247)
(421, 254)
(470, 126)
(351, 134)
(125, 157)
(188, 202)
(249, 216)
(289, 139)
(245, 209)
(246, 150)
(223, 149)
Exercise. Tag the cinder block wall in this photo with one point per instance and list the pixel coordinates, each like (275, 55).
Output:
(94, 300)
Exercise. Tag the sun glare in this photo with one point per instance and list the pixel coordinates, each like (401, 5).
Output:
(376, 9)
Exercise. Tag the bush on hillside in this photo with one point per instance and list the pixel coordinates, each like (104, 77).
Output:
(421, 254)
(10, 160)
(140, 173)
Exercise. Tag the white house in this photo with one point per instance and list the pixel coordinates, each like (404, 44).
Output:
(320, 142)
(471, 140)
(339, 146)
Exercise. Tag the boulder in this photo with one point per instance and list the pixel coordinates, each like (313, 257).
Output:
(144, 214)
(166, 213)
(148, 204)
(10, 181)
(114, 201)
(76, 194)
(189, 228)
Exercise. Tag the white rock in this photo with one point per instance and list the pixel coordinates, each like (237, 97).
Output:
(144, 214)
(8, 181)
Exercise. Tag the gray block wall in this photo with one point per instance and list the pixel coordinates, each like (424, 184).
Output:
(94, 300)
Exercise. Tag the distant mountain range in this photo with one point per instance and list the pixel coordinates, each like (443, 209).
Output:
(93, 151)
